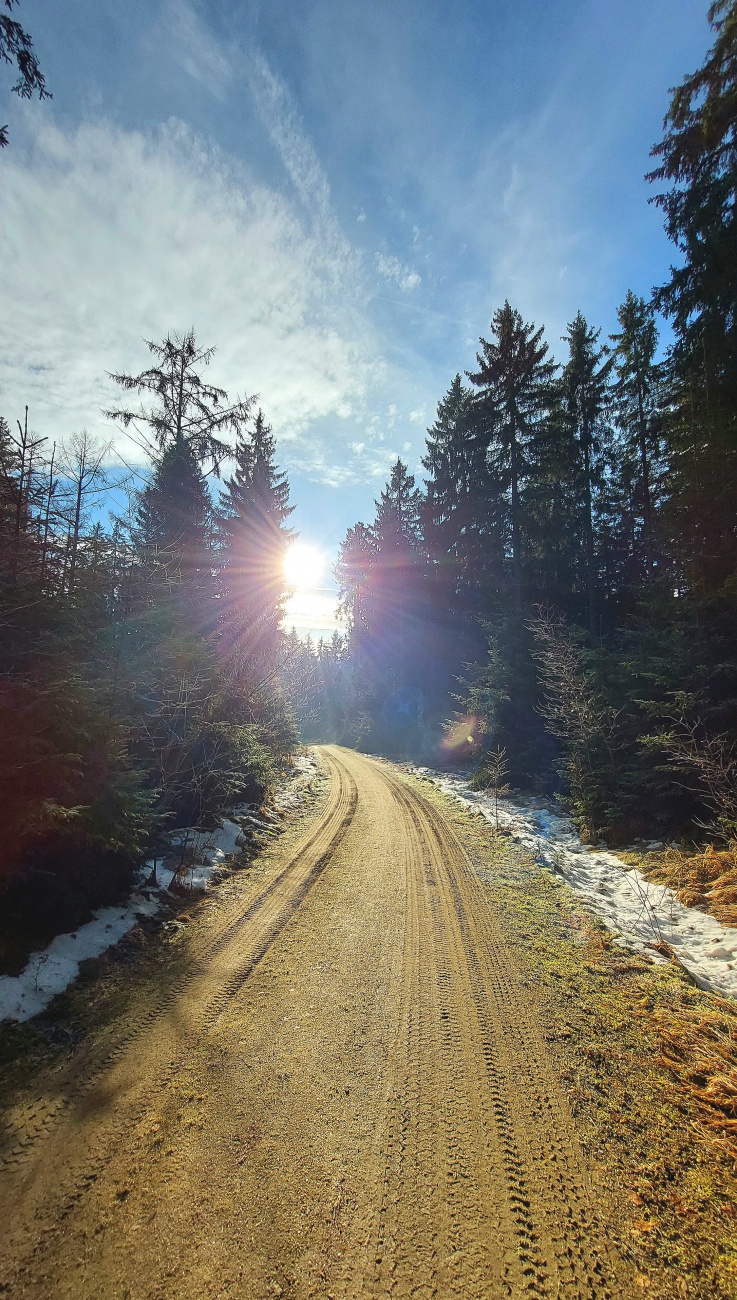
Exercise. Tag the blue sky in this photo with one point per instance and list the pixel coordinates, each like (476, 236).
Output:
(336, 195)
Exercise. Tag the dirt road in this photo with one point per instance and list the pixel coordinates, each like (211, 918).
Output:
(346, 1093)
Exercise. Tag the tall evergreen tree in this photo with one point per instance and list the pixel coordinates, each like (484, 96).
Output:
(174, 523)
(698, 160)
(185, 410)
(584, 385)
(637, 400)
(514, 381)
(698, 157)
(460, 513)
(254, 508)
(397, 524)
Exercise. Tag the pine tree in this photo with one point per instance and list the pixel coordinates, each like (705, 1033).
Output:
(174, 523)
(584, 385)
(460, 513)
(699, 157)
(514, 378)
(16, 47)
(186, 411)
(253, 511)
(636, 396)
(397, 524)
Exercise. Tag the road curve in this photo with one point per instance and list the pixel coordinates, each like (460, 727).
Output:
(345, 1094)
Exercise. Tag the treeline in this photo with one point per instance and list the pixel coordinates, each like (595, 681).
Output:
(141, 662)
(569, 571)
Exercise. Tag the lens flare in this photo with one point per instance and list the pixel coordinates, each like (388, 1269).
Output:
(463, 737)
(304, 566)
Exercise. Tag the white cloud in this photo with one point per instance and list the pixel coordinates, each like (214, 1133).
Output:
(417, 416)
(195, 49)
(283, 124)
(392, 269)
(114, 235)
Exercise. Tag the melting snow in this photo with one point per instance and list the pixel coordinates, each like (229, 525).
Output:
(638, 911)
(51, 971)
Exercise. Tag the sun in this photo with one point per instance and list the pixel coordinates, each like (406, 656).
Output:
(304, 566)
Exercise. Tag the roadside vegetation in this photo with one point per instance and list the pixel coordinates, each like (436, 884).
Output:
(142, 664)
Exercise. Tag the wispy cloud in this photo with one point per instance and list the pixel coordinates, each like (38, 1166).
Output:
(392, 269)
(113, 235)
(191, 43)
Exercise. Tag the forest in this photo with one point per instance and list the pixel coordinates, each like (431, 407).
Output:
(553, 606)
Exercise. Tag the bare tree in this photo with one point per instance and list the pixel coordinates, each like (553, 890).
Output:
(496, 769)
(711, 762)
(82, 469)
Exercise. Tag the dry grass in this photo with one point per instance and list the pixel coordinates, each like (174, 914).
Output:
(706, 879)
(699, 1047)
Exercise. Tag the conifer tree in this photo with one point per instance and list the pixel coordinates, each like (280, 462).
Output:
(636, 394)
(397, 525)
(254, 508)
(16, 47)
(584, 383)
(460, 512)
(174, 522)
(454, 464)
(698, 157)
(185, 410)
(514, 381)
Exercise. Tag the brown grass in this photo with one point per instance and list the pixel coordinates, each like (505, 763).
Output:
(706, 879)
(699, 1047)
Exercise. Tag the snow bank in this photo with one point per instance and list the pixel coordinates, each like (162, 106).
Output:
(207, 850)
(638, 911)
(50, 972)
(53, 970)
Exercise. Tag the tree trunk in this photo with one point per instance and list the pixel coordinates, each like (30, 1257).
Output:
(516, 557)
(589, 537)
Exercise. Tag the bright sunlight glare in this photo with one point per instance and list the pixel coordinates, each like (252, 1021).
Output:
(304, 566)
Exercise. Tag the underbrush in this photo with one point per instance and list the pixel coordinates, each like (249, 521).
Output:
(706, 878)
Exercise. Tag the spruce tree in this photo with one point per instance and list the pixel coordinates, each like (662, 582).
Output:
(698, 160)
(584, 386)
(253, 511)
(637, 401)
(460, 513)
(698, 157)
(514, 380)
(397, 524)
(185, 410)
(174, 524)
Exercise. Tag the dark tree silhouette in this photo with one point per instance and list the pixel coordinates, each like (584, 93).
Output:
(16, 47)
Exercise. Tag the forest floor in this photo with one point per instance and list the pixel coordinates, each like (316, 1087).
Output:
(395, 1058)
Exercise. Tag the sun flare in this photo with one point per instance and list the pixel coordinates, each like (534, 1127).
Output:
(304, 566)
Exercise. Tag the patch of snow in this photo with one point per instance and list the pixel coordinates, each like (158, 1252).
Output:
(638, 911)
(51, 971)
(208, 850)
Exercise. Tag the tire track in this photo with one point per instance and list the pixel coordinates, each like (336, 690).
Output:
(266, 914)
(375, 1115)
(511, 1212)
